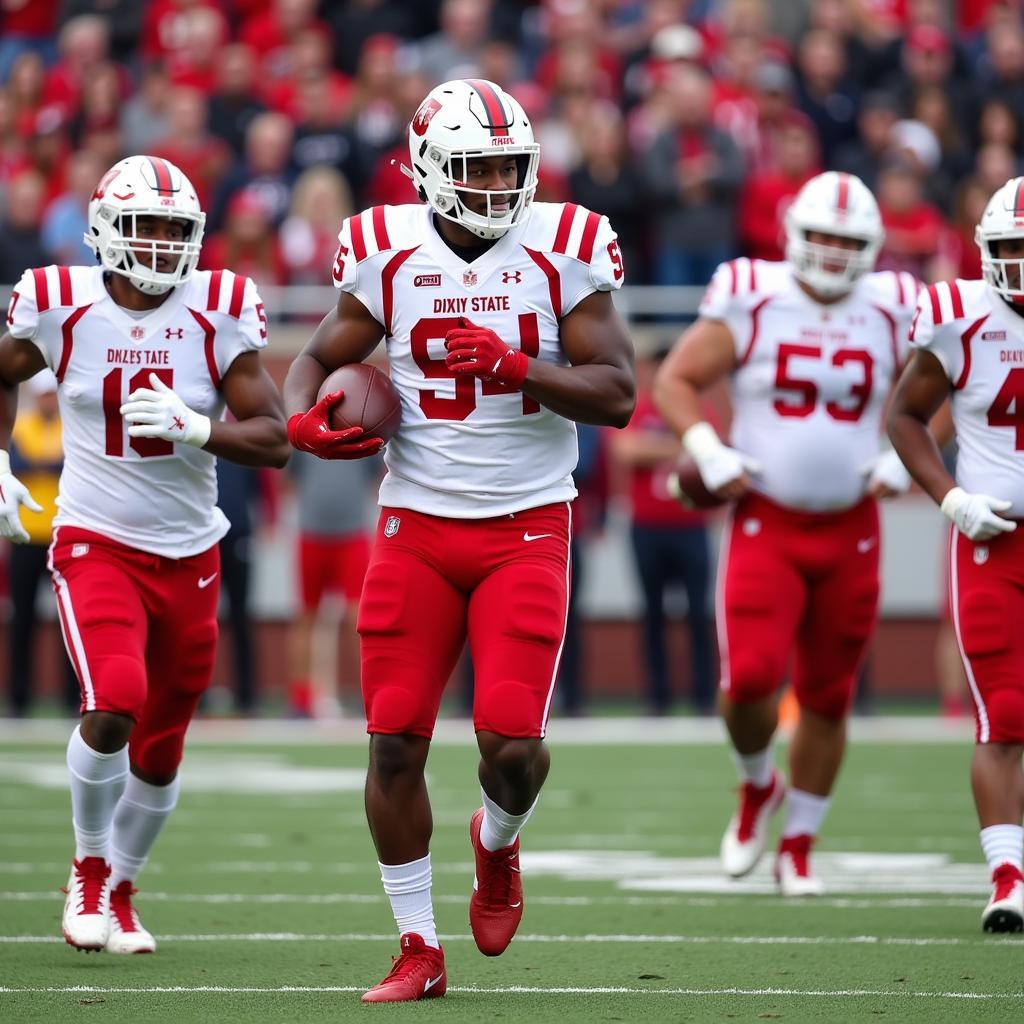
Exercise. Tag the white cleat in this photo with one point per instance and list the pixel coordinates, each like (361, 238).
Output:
(86, 921)
(126, 932)
(745, 838)
(1005, 911)
(793, 868)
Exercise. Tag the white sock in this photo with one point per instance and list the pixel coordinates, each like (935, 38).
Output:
(804, 813)
(499, 828)
(138, 818)
(97, 781)
(756, 768)
(408, 888)
(1003, 844)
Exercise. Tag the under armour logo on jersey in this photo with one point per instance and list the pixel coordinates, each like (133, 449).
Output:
(174, 332)
(515, 276)
(391, 526)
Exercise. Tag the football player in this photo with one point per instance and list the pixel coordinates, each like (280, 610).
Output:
(148, 353)
(968, 338)
(500, 331)
(810, 347)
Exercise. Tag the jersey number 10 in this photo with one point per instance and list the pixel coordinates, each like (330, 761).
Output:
(114, 398)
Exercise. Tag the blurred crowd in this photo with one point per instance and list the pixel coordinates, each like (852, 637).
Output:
(691, 123)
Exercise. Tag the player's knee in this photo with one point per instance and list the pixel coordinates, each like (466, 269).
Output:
(396, 709)
(753, 675)
(106, 731)
(119, 684)
(508, 709)
(157, 759)
(831, 701)
(392, 756)
(513, 759)
(1005, 710)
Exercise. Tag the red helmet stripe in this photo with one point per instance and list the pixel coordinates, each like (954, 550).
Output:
(843, 193)
(496, 114)
(164, 181)
(1018, 199)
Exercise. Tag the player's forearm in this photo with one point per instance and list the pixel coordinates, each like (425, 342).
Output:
(257, 441)
(302, 383)
(596, 393)
(678, 401)
(918, 451)
(8, 412)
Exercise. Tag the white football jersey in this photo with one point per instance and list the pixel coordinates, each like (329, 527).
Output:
(812, 379)
(979, 340)
(466, 448)
(148, 493)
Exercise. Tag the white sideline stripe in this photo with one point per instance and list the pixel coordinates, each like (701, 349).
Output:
(827, 902)
(602, 990)
(688, 940)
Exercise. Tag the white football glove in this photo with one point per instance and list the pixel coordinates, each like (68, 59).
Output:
(717, 463)
(12, 494)
(974, 515)
(161, 413)
(887, 470)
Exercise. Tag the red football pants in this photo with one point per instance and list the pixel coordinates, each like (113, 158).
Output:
(432, 582)
(800, 584)
(141, 632)
(987, 594)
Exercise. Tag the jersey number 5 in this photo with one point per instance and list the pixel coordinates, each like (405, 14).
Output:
(464, 402)
(807, 390)
(114, 397)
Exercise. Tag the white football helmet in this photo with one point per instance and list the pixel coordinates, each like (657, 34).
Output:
(144, 186)
(461, 121)
(836, 204)
(1003, 218)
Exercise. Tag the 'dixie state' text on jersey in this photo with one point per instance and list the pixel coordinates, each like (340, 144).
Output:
(811, 379)
(467, 448)
(979, 340)
(148, 493)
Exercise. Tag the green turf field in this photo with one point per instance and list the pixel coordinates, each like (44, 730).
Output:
(264, 897)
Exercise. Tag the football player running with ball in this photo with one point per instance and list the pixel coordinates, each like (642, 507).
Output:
(969, 342)
(810, 346)
(148, 353)
(500, 332)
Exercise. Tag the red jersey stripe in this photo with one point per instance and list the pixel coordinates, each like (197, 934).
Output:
(213, 298)
(564, 227)
(965, 342)
(387, 283)
(554, 282)
(589, 234)
(958, 302)
(209, 337)
(732, 276)
(42, 289)
(64, 283)
(933, 295)
(380, 229)
(67, 333)
(237, 292)
(358, 245)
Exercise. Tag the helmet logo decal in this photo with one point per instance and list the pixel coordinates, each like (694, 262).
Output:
(164, 181)
(125, 197)
(101, 189)
(498, 120)
(428, 108)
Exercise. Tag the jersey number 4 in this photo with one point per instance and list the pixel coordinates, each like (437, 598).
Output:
(1007, 408)
(114, 397)
(806, 391)
(464, 402)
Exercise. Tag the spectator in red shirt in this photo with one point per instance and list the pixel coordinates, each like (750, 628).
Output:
(167, 30)
(272, 32)
(26, 26)
(913, 227)
(25, 91)
(202, 157)
(309, 58)
(670, 544)
(84, 45)
(248, 243)
(766, 197)
(12, 143)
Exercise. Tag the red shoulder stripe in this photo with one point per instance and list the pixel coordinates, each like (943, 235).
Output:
(237, 292)
(42, 290)
(554, 282)
(380, 229)
(933, 295)
(753, 277)
(67, 333)
(732, 276)
(564, 227)
(958, 303)
(387, 283)
(754, 327)
(64, 282)
(965, 342)
(209, 338)
(213, 299)
(589, 234)
(358, 245)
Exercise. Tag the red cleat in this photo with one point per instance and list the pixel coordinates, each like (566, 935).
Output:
(418, 973)
(496, 906)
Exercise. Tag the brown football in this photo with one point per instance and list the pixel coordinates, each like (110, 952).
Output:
(692, 491)
(371, 401)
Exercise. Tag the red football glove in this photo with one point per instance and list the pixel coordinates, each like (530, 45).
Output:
(311, 432)
(479, 352)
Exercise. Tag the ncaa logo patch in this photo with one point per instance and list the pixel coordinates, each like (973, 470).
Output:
(391, 526)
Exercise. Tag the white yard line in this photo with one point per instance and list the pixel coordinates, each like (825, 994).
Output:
(459, 732)
(328, 898)
(604, 990)
(686, 940)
